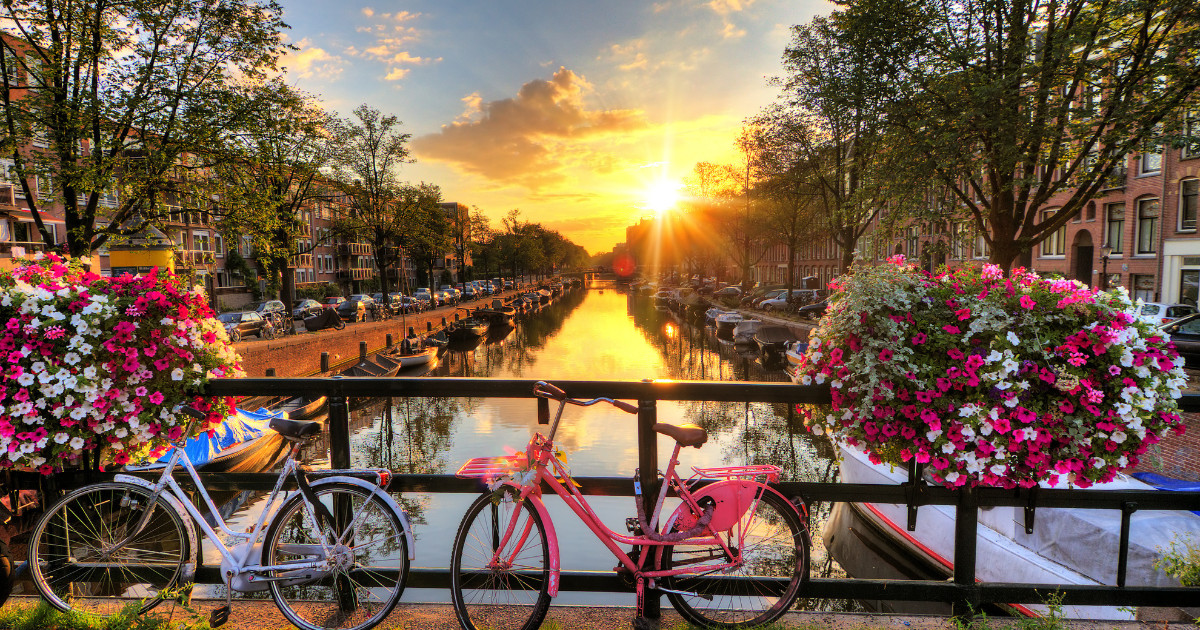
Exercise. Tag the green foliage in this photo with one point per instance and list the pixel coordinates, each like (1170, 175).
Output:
(1181, 561)
(44, 616)
(129, 95)
(1052, 620)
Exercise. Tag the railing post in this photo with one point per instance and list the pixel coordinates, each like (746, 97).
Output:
(648, 476)
(324, 362)
(339, 432)
(966, 524)
(362, 351)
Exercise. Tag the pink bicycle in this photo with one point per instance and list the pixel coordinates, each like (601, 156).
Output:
(733, 553)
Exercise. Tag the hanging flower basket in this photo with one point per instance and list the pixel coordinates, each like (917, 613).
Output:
(992, 380)
(99, 364)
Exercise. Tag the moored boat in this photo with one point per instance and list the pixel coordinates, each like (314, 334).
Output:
(1067, 546)
(726, 322)
(773, 342)
(745, 330)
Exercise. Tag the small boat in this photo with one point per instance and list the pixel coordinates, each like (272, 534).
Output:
(469, 328)
(726, 322)
(1067, 546)
(412, 359)
(438, 339)
(773, 342)
(377, 366)
(243, 443)
(745, 330)
(544, 296)
(710, 316)
(500, 313)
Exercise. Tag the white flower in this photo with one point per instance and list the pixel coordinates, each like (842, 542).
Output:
(77, 443)
(61, 437)
(1013, 338)
(177, 374)
(26, 379)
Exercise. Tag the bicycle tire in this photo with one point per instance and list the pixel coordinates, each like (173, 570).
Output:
(738, 598)
(374, 574)
(71, 532)
(499, 599)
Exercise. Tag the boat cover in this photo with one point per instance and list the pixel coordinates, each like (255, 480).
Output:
(327, 318)
(242, 426)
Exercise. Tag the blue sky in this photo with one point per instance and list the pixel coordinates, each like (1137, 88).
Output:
(573, 112)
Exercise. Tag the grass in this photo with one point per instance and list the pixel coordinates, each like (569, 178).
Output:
(45, 617)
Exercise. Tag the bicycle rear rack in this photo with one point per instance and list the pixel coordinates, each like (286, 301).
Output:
(492, 468)
(769, 473)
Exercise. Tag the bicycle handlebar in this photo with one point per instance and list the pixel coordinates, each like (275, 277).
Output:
(546, 390)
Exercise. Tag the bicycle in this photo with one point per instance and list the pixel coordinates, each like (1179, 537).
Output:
(733, 553)
(334, 555)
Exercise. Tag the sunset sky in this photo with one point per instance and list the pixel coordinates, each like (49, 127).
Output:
(575, 112)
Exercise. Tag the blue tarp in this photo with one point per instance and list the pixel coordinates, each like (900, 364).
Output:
(243, 426)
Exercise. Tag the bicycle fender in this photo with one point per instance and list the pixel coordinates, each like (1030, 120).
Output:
(189, 569)
(551, 539)
(383, 496)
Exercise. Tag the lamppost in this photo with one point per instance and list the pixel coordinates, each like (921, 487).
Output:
(1105, 252)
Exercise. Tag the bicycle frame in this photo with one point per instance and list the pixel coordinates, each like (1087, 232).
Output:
(241, 563)
(539, 457)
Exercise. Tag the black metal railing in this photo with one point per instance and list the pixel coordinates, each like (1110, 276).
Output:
(963, 592)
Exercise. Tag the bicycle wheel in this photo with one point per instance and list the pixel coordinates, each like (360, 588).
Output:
(359, 585)
(74, 567)
(775, 548)
(512, 591)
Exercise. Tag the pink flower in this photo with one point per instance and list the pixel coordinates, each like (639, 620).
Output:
(919, 338)
(1027, 302)
(885, 355)
(953, 330)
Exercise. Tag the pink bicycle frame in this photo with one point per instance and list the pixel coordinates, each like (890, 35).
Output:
(736, 492)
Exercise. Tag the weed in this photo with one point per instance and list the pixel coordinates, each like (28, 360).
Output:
(1181, 561)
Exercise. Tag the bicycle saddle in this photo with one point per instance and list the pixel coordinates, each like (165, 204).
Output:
(685, 434)
(295, 428)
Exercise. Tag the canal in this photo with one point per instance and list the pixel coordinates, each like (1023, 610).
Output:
(598, 332)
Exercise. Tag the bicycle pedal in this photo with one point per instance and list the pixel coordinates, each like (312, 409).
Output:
(219, 616)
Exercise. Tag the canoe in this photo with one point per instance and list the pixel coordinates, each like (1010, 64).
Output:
(413, 359)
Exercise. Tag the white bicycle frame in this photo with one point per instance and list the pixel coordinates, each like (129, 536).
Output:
(241, 563)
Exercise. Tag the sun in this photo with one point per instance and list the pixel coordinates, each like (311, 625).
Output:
(662, 197)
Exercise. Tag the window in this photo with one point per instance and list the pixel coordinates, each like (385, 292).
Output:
(1116, 227)
(1191, 129)
(1189, 189)
(219, 245)
(1151, 158)
(1147, 226)
(1055, 244)
(201, 241)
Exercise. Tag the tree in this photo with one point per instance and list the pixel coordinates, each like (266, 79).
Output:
(719, 204)
(112, 97)
(367, 155)
(267, 172)
(832, 91)
(784, 160)
(1023, 110)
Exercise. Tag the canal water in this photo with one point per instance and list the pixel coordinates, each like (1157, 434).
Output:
(599, 332)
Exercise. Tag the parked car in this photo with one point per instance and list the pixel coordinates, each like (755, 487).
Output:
(423, 295)
(306, 308)
(394, 303)
(729, 291)
(1159, 314)
(354, 309)
(1185, 334)
(412, 304)
(268, 306)
(759, 294)
(780, 302)
(769, 295)
(332, 302)
(814, 311)
(245, 324)
(470, 292)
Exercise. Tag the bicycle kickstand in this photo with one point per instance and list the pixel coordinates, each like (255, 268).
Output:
(219, 616)
(641, 622)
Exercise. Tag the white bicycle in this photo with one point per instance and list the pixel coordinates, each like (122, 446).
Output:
(334, 554)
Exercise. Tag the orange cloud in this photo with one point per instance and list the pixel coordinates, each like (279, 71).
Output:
(527, 140)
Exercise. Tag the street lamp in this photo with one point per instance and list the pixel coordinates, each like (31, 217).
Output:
(1105, 252)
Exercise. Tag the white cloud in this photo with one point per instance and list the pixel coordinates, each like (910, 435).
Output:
(311, 61)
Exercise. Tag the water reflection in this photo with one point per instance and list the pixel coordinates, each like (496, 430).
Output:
(584, 335)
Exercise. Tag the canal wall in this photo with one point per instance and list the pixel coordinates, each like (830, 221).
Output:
(300, 355)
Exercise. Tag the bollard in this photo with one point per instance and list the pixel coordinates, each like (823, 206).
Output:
(324, 362)
(456, 317)
(270, 372)
(429, 326)
(443, 322)
(389, 340)
(362, 351)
